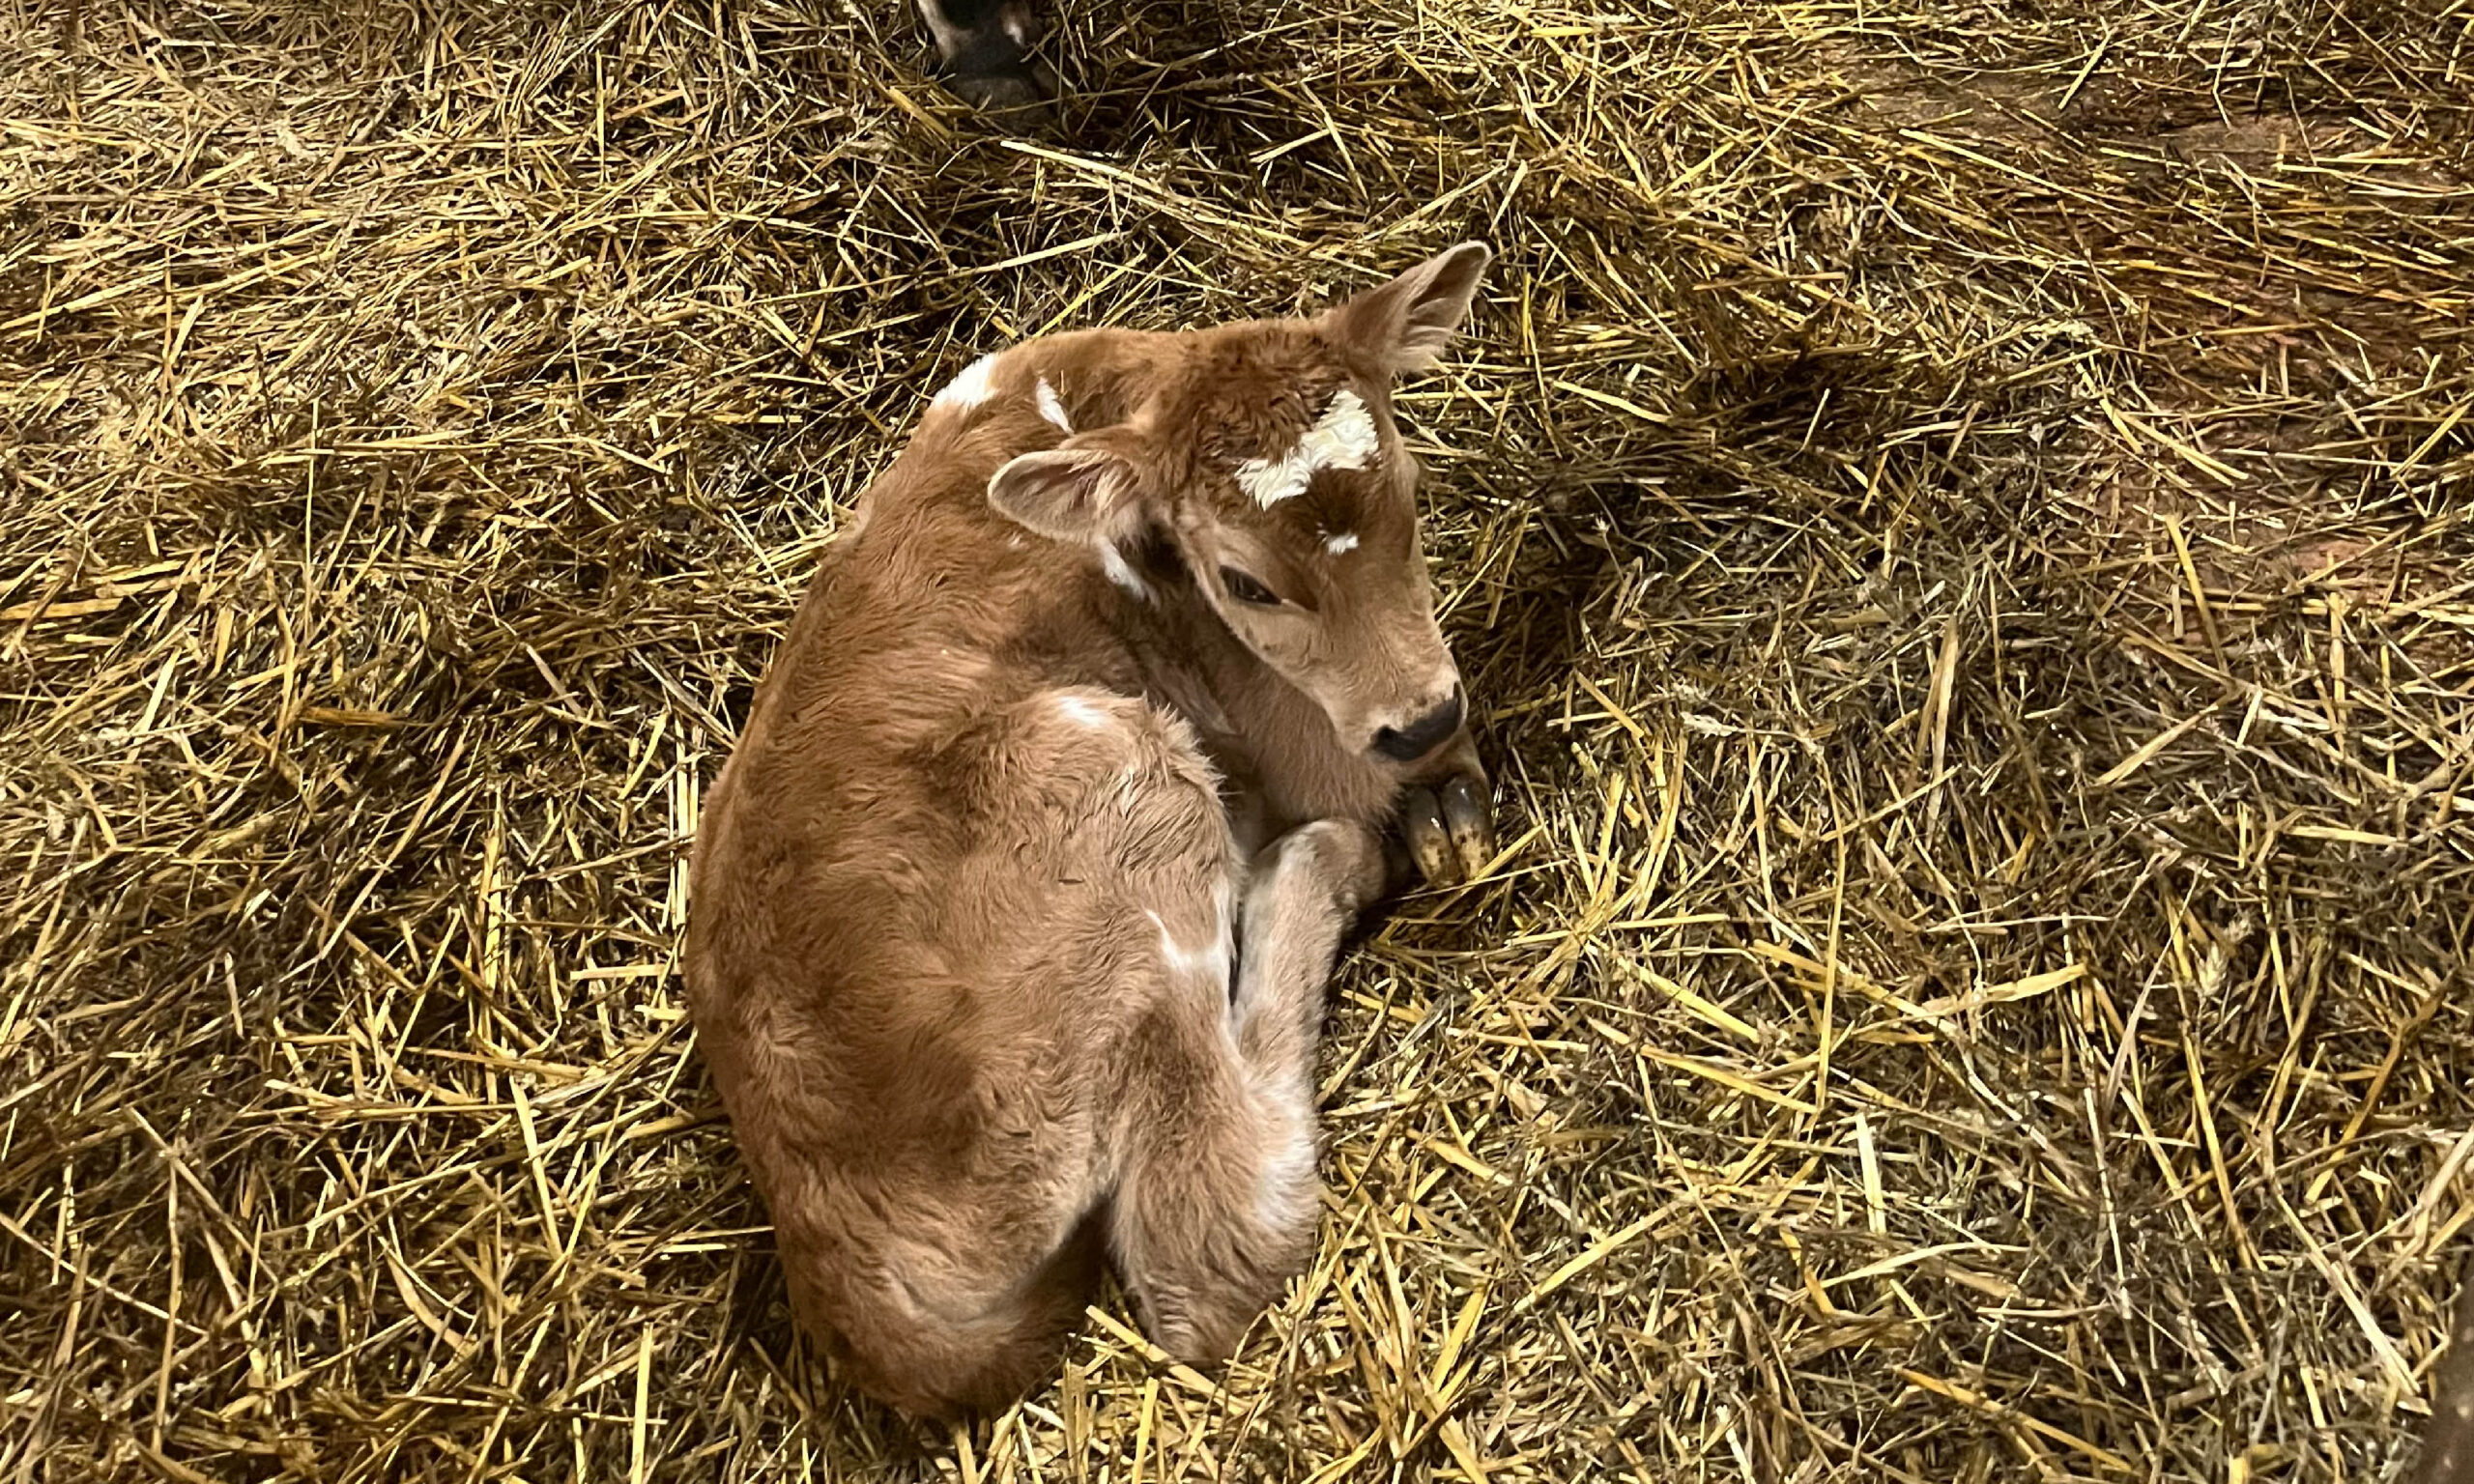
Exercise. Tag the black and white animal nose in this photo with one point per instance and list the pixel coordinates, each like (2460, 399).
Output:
(1422, 736)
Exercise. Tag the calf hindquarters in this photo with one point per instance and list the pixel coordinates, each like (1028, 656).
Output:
(1103, 1083)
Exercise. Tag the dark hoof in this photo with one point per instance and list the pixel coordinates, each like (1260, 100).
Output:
(1447, 832)
(1429, 837)
(1470, 816)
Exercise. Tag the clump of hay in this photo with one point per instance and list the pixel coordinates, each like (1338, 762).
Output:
(1957, 519)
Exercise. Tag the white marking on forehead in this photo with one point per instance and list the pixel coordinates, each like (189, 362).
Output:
(1112, 562)
(1343, 438)
(1342, 544)
(971, 388)
(1051, 409)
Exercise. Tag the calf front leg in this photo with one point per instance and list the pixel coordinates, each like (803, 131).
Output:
(987, 50)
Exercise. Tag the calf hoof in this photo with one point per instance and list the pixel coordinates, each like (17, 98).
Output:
(1448, 830)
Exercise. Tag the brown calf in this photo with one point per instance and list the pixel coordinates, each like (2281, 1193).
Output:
(1015, 905)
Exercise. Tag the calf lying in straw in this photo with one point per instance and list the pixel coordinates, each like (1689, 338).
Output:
(1015, 906)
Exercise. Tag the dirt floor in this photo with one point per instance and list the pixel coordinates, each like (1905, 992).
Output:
(1960, 520)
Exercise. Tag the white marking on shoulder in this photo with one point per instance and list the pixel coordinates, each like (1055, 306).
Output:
(1343, 438)
(1112, 561)
(1051, 409)
(1342, 544)
(970, 388)
(1207, 961)
(1081, 713)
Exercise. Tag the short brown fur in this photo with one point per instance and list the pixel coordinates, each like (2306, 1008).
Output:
(1013, 907)
(2448, 1441)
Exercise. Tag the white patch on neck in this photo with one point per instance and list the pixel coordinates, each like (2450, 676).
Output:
(970, 388)
(1051, 409)
(1112, 561)
(1343, 438)
(1342, 544)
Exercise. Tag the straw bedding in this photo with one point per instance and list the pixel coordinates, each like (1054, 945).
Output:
(1957, 516)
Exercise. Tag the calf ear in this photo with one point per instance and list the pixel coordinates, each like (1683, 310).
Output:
(1407, 322)
(1069, 494)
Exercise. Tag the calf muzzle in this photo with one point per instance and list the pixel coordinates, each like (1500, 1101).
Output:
(1408, 744)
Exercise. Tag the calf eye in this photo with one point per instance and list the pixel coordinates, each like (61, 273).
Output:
(1245, 589)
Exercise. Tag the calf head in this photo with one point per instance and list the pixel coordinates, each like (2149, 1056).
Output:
(1264, 455)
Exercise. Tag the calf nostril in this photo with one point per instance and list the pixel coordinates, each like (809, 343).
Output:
(1422, 736)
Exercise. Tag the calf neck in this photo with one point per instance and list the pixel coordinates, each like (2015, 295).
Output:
(1013, 907)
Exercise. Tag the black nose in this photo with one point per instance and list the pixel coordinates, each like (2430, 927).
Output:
(1423, 735)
